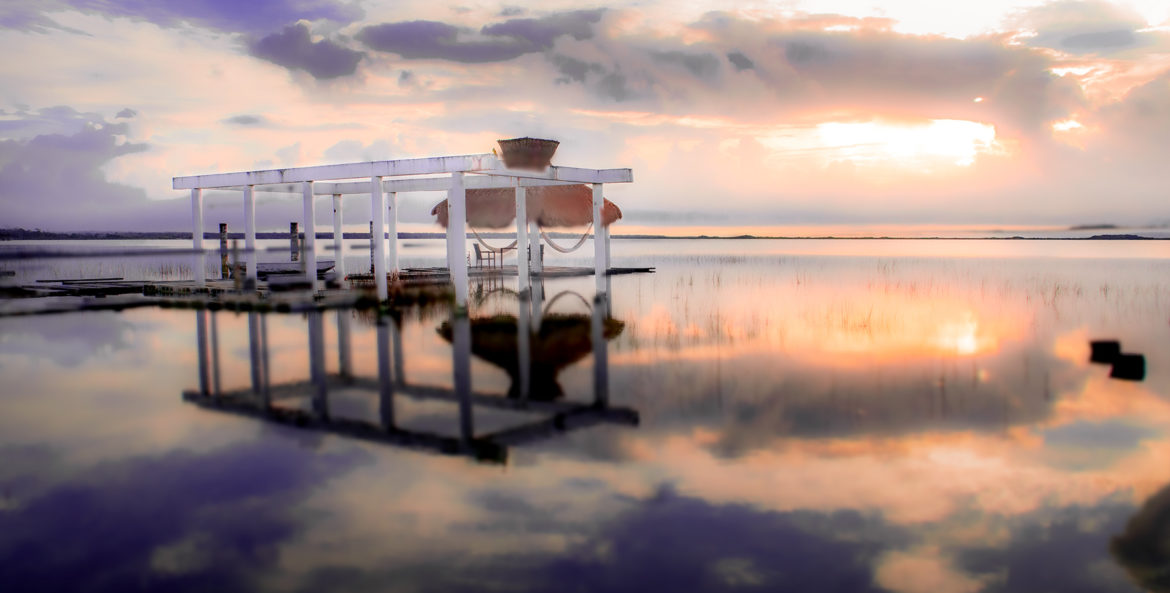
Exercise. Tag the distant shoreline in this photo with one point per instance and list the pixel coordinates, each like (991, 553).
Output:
(39, 235)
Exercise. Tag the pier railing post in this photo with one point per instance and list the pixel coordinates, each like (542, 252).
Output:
(457, 229)
(378, 216)
(599, 260)
(338, 239)
(200, 265)
(393, 232)
(250, 232)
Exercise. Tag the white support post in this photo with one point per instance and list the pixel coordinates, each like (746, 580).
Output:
(378, 215)
(338, 239)
(310, 224)
(608, 261)
(537, 258)
(393, 222)
(200, 264)
(522, 248)
(250, 231)
(599, 266)
(457, 230)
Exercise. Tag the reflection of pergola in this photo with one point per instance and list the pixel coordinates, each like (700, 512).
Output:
(452, 174)
(259, 400)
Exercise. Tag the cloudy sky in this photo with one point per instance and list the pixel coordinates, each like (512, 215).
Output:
(997, 113)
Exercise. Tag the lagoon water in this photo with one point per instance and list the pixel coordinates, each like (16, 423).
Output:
(849, 415)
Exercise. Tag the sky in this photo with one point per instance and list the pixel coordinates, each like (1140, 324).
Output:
(799, 113)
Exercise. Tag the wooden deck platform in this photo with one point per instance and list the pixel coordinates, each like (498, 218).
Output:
(278, 293)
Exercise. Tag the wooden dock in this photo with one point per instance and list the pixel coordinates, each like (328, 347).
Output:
(280, 293)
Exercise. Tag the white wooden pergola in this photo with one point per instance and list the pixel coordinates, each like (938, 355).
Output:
(377, 179)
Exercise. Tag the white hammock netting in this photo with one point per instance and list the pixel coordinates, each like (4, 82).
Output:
(547, 239)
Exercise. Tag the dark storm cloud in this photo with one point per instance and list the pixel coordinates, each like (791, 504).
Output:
(295, 50)
(1063, 549)
(55, 180)
(1102, 40)
(495, 43)
(254, 16)
(179, 521)
(740, 61)
(705, 66)
(665, 542)
(1141, 548)
(572, 69)
(246, 120)
(542, 32)
(1087, 27)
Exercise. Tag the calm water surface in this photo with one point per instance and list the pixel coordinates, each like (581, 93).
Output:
(911, 416)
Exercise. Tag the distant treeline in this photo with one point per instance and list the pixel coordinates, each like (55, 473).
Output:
(37, 234)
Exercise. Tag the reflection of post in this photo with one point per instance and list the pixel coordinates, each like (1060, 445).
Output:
(461, 359)
(338, 239)
(265, 360)
(600, 354)
(215, 354)
(537, 304)
(399, 358)
(310, 234)
(201, 343)
(385, 381)
(344, 358)
(524, 348)
(254, 351)
(317, 364)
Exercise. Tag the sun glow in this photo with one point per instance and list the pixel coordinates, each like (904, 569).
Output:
(951, 141)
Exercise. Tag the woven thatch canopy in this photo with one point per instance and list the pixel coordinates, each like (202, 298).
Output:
(549, 205)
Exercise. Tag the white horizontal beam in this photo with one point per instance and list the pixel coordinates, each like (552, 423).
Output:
(405, 185)
(424, 166)
(569, 174)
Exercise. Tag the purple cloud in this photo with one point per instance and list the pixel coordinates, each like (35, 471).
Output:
(500, 42)
(254, 16)
(55, 181)
(295, 50)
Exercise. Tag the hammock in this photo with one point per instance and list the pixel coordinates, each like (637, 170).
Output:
(575, 247)
(478, 238)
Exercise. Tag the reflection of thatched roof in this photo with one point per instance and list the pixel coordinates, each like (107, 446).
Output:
(562, 341)
(1144, 547)
(550, 205)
